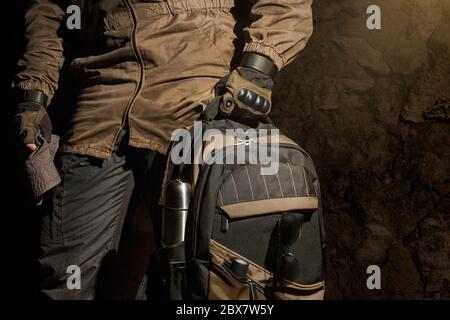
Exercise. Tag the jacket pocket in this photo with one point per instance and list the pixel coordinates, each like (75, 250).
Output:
(218, 30)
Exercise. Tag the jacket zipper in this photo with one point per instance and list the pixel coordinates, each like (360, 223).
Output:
(140, 61)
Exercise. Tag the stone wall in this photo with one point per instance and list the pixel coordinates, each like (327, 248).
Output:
(371, 107)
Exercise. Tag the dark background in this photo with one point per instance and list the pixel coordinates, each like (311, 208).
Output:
(371, 107)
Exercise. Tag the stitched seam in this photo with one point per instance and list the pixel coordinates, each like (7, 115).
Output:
(224, 63)
(306, 182)
(292, 177)
(235, 189)
(250, 183)
(279, 184)
(265, 186)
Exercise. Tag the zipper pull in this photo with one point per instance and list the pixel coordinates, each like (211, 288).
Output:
(223, 224)
(245, 142)
(252, 289)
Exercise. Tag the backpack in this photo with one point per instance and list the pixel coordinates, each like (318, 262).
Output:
(249, 233)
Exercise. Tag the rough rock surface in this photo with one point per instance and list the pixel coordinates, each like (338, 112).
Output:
(371, 107)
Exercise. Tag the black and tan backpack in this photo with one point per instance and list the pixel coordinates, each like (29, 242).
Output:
(248, 235)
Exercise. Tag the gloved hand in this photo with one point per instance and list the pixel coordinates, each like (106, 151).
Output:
(247, 91)
(32, 122)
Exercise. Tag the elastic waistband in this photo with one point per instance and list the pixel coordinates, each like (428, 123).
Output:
(179, 6)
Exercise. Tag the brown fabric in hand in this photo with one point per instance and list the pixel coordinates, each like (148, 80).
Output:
(41, 170)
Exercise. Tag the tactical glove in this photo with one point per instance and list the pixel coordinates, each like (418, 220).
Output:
(247, 90)
(31, 119)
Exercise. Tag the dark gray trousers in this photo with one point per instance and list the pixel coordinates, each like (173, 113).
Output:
(97, 223)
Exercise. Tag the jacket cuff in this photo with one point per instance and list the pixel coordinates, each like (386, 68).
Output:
(35, 85)
(265, 50)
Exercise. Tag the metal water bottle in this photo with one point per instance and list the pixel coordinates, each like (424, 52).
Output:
(175, 209)
(174, 215)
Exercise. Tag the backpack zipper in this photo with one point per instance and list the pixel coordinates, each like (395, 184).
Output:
(196, 214)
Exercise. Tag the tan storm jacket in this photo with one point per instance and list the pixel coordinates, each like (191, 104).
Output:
(149, 64)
